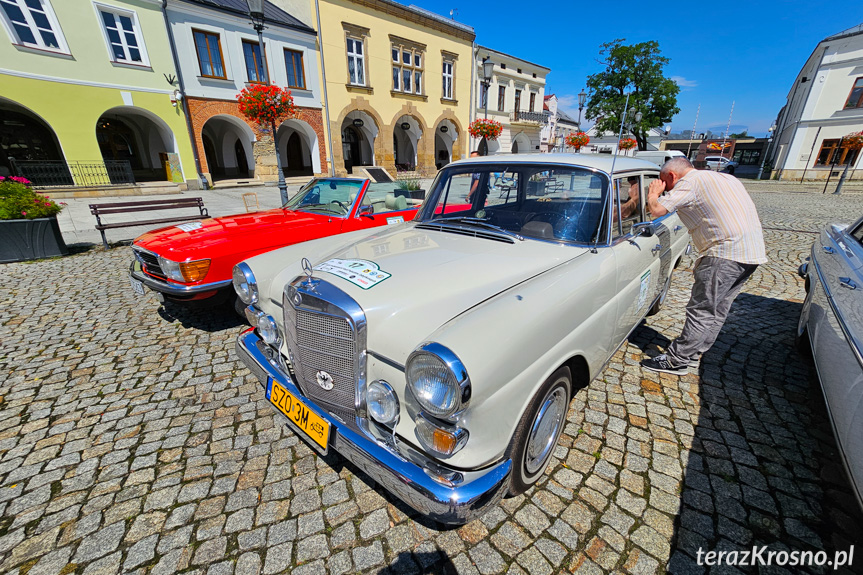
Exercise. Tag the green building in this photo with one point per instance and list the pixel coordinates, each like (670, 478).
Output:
(88, 95)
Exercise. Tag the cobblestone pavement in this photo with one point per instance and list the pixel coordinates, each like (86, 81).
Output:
(131, 440)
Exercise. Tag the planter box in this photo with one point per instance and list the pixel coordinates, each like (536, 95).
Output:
(22, 240)
(413, 194)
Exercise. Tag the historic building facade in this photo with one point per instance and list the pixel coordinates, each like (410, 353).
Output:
(86, 95)
(514, 97)
(398, 85)
(824, 104)
(219, 54)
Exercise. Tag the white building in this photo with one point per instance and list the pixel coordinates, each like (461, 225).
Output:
(824, 104)
(606, 142)
(219, 55)
(514, 98)
(560, 125)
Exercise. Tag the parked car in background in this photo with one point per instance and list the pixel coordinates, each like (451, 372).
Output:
(831, 326)
(440, 356)
(192, 262)
(658, 157)
(721, 164)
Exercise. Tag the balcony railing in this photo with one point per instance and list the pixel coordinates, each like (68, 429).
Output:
(54, 173)
(535, 117)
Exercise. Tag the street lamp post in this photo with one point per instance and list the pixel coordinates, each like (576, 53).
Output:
(256, 13)
(582, 98)
(487, 70)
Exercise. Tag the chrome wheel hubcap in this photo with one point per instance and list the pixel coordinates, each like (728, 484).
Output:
(545, 430)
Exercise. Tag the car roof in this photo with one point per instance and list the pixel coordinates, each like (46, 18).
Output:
(600, 162)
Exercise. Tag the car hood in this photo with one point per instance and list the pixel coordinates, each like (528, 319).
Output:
(181, 242)
(433, 276)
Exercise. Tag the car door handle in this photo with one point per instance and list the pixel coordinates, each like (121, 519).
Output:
(847, 283)
(678, 228)
(656, 249)
(828, 250)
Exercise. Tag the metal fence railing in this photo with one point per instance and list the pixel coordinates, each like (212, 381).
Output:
(54, 173)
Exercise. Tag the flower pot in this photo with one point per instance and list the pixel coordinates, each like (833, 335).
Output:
(22, 240)
(413, 194)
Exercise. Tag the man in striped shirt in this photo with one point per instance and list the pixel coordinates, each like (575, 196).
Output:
(726, 232)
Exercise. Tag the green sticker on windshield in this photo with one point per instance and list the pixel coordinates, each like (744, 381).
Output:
(362, 273)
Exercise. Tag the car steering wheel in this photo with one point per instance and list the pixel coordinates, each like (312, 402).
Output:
(344, 207)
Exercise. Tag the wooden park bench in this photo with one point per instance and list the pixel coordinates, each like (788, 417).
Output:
(100, 210)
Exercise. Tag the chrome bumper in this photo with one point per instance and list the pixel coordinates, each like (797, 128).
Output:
(173, 289)
(405, 479)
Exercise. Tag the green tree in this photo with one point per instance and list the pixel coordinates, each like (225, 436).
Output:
(742, 134)
(637, 68)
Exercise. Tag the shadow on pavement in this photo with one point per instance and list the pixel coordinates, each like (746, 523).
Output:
(762, 468)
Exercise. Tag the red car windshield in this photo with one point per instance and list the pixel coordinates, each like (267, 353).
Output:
(327, 195)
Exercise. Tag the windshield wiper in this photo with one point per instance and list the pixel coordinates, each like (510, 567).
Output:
(483, 224)
(322, 207)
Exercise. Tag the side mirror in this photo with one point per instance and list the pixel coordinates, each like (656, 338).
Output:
(646, 229)
(367, 211)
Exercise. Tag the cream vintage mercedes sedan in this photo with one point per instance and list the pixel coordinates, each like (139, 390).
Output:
(440, 355)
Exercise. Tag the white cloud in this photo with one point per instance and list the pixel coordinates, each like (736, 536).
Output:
(569, 104)
(683, 82)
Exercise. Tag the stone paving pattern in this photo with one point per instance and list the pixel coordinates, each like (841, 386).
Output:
(133, 441)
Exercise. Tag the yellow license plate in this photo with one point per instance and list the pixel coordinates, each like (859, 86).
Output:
(309, 422)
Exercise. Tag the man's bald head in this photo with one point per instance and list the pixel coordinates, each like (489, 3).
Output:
(677, 165)
(674, 169)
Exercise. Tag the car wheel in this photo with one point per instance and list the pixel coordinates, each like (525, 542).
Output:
(657, 306)
(539, 430)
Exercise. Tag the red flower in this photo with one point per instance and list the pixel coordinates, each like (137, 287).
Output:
(488, 129)
(577, 140)
(264, 104)
(627, 144)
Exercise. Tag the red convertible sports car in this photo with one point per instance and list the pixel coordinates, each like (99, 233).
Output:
(193, 261)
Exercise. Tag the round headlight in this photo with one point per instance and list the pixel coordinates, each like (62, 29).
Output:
(439, 389)
(383, 405)
(245, 284)
(268, 330)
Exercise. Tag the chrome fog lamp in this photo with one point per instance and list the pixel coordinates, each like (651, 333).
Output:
(171, 269)
(438, 380)
(245, 284)
(268, 330)
(252, 315)
(442, 440)
(382, 403)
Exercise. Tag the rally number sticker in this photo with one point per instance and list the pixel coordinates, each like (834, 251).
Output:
(644, 290)
(395, 220)
(362, 273)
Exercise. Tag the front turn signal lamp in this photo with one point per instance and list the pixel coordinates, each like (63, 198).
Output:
(195, 271)
(440, 440)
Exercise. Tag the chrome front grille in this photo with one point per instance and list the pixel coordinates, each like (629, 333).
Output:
(321, 336)
(150, 263)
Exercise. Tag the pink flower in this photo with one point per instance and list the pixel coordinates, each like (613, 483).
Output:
(23, 213)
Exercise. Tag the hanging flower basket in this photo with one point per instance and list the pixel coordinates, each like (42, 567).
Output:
(577, 140)
(266, 104)
(627, 143)
(488, 129)
(853, 141)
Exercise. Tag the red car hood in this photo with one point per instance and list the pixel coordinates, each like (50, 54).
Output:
(271, 228)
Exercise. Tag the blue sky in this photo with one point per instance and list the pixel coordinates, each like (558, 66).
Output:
(746, 52)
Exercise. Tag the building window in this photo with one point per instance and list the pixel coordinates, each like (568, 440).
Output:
(295, 68)
(501, 97)
(33, 23)
(209, 54)
(447, 79)
(517, 105)
(503, 66)
(256, 68)
(407, 63)
(855, 99)
(356, 62)
(123, 35)
(831, 153)
(532, 102)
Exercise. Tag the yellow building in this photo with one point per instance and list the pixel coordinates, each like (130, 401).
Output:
(397, 84)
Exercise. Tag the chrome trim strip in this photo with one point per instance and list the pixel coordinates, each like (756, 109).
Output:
(406, 479)
(382, 358)
(172, 289)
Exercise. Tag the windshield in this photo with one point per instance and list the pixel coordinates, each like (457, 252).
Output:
(551, 202)
(327, 195)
